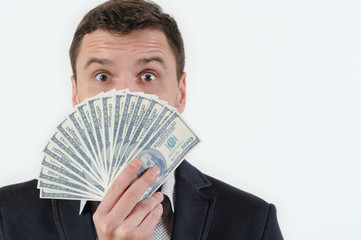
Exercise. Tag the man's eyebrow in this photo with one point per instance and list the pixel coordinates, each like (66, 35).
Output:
(144, 61)
(101, 61)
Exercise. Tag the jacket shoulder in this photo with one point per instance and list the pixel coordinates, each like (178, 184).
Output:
(228, 193)
(243, 210)
(20, 191)
(236, 214)
(21, 196)
(22, 211)
(220, 190)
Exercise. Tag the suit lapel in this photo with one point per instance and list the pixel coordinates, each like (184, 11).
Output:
(70, 224)
(193, 208)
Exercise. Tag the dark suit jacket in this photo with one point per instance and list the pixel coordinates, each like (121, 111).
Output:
(205, 208)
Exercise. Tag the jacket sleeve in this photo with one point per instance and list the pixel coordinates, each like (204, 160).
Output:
(272, 230)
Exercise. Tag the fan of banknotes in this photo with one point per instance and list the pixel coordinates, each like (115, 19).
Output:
(102, 134)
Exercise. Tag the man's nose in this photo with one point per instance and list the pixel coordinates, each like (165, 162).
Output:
(125, 82)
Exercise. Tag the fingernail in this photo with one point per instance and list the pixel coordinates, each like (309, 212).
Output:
(154, 171)
(135, 163)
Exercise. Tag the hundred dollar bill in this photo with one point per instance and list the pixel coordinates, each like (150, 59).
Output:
(159, 112)
(65, 174)
(96, 116)
(51, 176)
(130, 102)
(149, 118)
(76, 121)
(107, 102)
(149, 132)
(102, 134)
(119, 104)
(85, 113)
(141, 123)
(53, 185)
(68, 139)
(137, 114)
(166, 149)
(58, 189)
(74, 164)
(44, 193)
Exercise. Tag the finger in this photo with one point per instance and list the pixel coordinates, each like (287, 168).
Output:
(119, 186)
(149, 223)
(145, 230)
(142, 209)
(133, 194)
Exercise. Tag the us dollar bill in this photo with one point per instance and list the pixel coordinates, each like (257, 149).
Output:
(102, 134)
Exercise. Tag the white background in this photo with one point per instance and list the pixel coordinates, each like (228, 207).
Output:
(274, 92)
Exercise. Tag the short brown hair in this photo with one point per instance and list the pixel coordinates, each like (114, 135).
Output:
(121, 17)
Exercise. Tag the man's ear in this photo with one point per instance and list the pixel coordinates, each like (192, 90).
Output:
(182, 94)
(74, 96)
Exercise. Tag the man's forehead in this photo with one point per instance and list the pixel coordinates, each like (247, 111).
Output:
(139, 61)
(142, 42)
(142, 39)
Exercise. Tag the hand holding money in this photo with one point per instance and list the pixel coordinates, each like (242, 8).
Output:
(120, 216)
(102, 134)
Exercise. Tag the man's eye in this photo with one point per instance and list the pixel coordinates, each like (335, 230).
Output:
(148, 77)
(102, 77)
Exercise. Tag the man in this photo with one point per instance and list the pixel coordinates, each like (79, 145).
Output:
(132, 44)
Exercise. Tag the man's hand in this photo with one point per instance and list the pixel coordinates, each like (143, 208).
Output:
(120, 216)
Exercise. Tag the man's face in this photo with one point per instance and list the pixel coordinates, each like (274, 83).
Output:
(141, 62)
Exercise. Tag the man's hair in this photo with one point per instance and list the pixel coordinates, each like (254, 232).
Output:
(121, 17)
